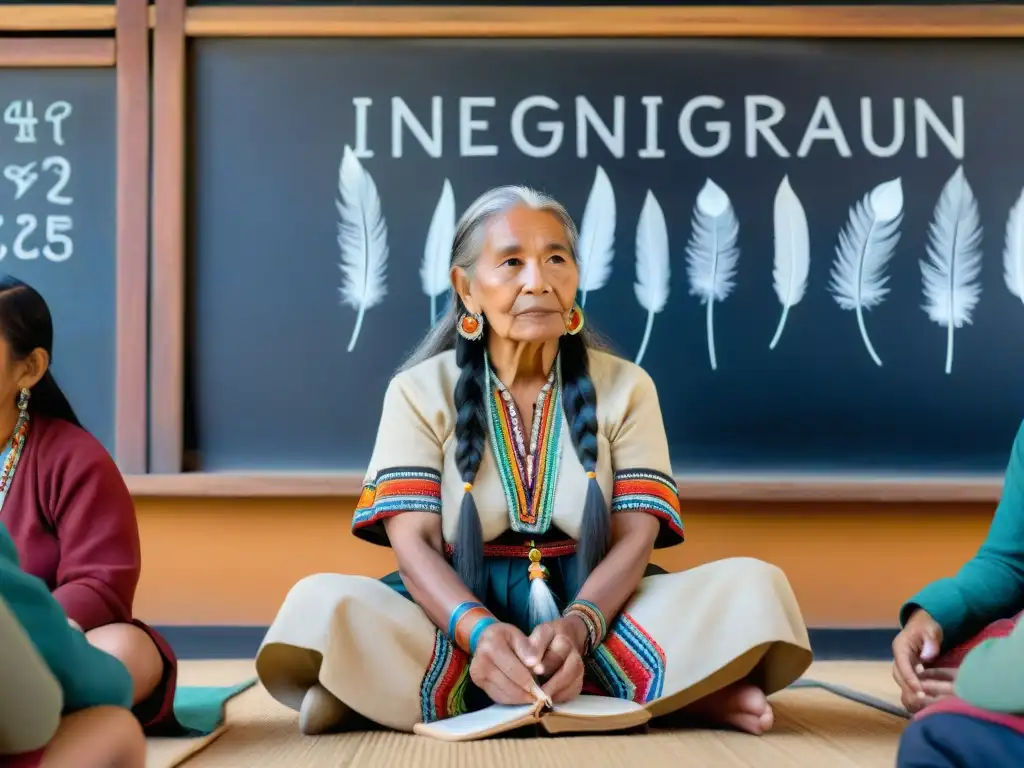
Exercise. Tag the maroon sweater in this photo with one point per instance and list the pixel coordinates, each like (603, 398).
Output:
(73, 522)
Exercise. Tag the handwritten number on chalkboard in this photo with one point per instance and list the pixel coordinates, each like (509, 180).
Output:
(22, 114)
(22, 176)
(59, 245)
(56, 227)
(28, 225)
(56, 114)
(62, 168)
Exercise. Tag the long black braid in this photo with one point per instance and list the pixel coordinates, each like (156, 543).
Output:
(579, 402)
(471, 439)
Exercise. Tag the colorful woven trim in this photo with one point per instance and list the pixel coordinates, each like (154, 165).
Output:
(629, 664)
(527, 515)
(397, 490)
(443, 689)
(646, 490)
(549, 549)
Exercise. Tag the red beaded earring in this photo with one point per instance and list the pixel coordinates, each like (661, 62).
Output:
(470, 326)
(574, 323)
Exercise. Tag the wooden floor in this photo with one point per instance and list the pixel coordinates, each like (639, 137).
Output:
(814, 729)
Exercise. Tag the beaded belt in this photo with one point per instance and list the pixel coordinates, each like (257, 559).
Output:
(526, 549)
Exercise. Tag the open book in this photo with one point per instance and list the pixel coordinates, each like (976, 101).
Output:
(582, 714)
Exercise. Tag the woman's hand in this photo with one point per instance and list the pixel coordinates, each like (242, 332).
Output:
(919, 642)
(555, 652)
(497, 667)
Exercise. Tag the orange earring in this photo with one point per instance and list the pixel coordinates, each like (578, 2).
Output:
(470, 326)
(574, 323)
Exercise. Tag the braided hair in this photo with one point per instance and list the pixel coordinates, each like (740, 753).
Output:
(579, 397)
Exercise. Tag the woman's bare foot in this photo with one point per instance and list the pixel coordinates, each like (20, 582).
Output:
(741, 705)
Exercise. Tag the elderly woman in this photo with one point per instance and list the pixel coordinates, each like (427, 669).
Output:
(67, 508)
(501, 443)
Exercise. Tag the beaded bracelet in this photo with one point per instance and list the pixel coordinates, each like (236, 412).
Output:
(588, 645)
(467, 623)
(591, 615)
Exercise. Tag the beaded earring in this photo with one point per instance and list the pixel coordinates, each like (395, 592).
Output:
(574, 323)
(23, 397)
(470, 326)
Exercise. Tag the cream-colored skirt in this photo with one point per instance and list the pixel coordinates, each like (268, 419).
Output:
(681, 637)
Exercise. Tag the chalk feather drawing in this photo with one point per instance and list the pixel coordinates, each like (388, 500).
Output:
(712, 254)
(866, 245)
(1013, 253)
(652, 267)
(362, 240)
(597, 236)
(792, 253)
(437, 252)
(950, 276)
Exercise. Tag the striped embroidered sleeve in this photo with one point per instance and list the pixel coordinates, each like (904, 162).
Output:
(405, 470)
(643, 472)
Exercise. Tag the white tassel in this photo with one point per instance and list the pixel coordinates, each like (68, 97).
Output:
(542, 603)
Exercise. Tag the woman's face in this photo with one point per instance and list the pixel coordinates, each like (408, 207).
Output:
(525, 280)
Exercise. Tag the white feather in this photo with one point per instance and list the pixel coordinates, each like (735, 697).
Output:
(866, 246)
(597, 236)
(652, 267)
(792, 252)
(542, 606)
(712, 253)
(362, 239)
(437, 252)
(950, 276)
(1013, 254)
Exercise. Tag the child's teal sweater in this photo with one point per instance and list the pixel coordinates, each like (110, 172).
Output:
(990, 585)
(88, 676)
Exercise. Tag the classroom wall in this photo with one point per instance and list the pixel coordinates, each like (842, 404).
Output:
(231, 561)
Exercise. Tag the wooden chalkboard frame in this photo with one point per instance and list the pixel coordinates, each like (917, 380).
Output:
(122, 42)
(174, 23)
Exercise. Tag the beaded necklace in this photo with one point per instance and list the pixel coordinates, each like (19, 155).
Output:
(12, 454)
(528, 474)
(526, 454)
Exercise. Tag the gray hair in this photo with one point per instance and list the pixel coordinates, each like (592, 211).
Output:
(466, 247)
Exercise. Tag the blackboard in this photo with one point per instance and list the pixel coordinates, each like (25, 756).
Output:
(57, 221)
(272, 385)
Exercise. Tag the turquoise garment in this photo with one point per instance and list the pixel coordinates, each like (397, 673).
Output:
(88, 676)
(200, 709)
(990, 586)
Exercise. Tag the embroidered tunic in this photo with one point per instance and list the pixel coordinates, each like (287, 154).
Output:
(413, 464)
(680, 637)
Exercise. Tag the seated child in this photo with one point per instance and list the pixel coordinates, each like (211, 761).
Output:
(62, 701)
(982, 725)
